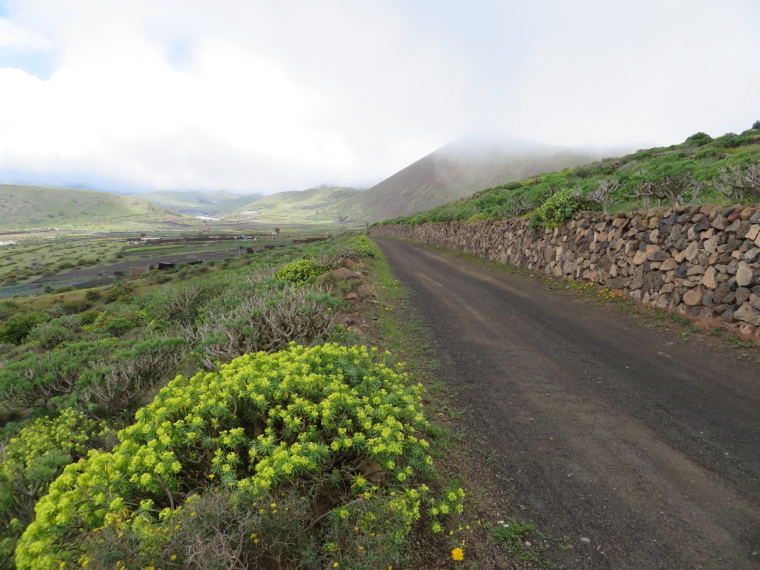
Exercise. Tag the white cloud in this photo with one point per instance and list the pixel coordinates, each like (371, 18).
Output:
(16, 38)
(263, 95)
(292, 94)
(651, 73)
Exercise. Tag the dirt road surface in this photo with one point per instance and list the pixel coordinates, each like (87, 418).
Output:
(643, 449)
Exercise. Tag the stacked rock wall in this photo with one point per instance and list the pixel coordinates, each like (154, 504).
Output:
(703, 261)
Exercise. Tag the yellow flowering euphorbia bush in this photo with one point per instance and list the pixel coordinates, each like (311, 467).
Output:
(31, 460)
(336, 421)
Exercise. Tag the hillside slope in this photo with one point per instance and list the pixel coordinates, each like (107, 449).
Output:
(194, 203)
(455, 171)
(32, 207)
(700, 170)
(321, 204)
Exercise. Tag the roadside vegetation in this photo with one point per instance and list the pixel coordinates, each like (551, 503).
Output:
(213, 416)
(700, 170)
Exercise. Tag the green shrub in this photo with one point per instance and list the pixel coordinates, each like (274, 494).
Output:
(299, 272)
(361, 246)
(121, 291)
(336, 421)
(103, 377)
(89, 317)
(264, 321)
(118, 325)
(50, 334)
(178, 304)
(731, 140)
(18, 326)
(700, 138)
(756, 126)
(32, 459)
(557, 209)
(92, 296)
(126, 375)
(118, 319)
(478, 217)
(36, 380)
(74, 306)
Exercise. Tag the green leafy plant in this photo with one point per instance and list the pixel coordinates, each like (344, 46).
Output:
(299, 272)
(334, 426)
(119, 292)
(522, 540)
(18, 326)
(556, 210)
(32, 459)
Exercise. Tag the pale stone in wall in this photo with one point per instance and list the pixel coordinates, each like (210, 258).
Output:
(710, 278)
(744, 274)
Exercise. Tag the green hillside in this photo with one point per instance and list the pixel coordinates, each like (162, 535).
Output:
(197, 203)
(453, 172)
(36, 207)
(322, 204)
(725, 169)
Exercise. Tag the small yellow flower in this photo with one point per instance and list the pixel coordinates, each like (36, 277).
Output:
(457, 554)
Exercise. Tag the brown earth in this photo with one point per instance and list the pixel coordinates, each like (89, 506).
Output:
(639, 445)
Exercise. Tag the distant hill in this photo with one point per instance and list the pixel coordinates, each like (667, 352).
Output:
(197, 203)
(456, 171)
(321, 204)
(33, 207)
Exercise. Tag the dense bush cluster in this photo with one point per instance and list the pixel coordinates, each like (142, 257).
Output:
(702, 169)
(335, 425)
(73, 374)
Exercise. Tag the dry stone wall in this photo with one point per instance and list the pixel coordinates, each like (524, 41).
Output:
(703, 261)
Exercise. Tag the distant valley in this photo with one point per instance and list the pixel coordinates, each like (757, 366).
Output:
(453, 172)
(315, 205)
(195, 203)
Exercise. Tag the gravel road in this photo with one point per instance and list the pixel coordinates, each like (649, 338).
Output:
(642, 448)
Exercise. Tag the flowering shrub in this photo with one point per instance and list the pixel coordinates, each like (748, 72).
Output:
(361, 246)
(337, 422)
(558, 208)
(299, 271)
(32, 459)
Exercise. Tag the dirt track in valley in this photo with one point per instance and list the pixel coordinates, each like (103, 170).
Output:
(641, 448)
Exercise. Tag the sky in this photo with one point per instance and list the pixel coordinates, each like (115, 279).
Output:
(264, 96)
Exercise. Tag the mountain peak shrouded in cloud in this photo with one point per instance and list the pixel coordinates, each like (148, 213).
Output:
(261, 96)
(484, 145)
(456, 170)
